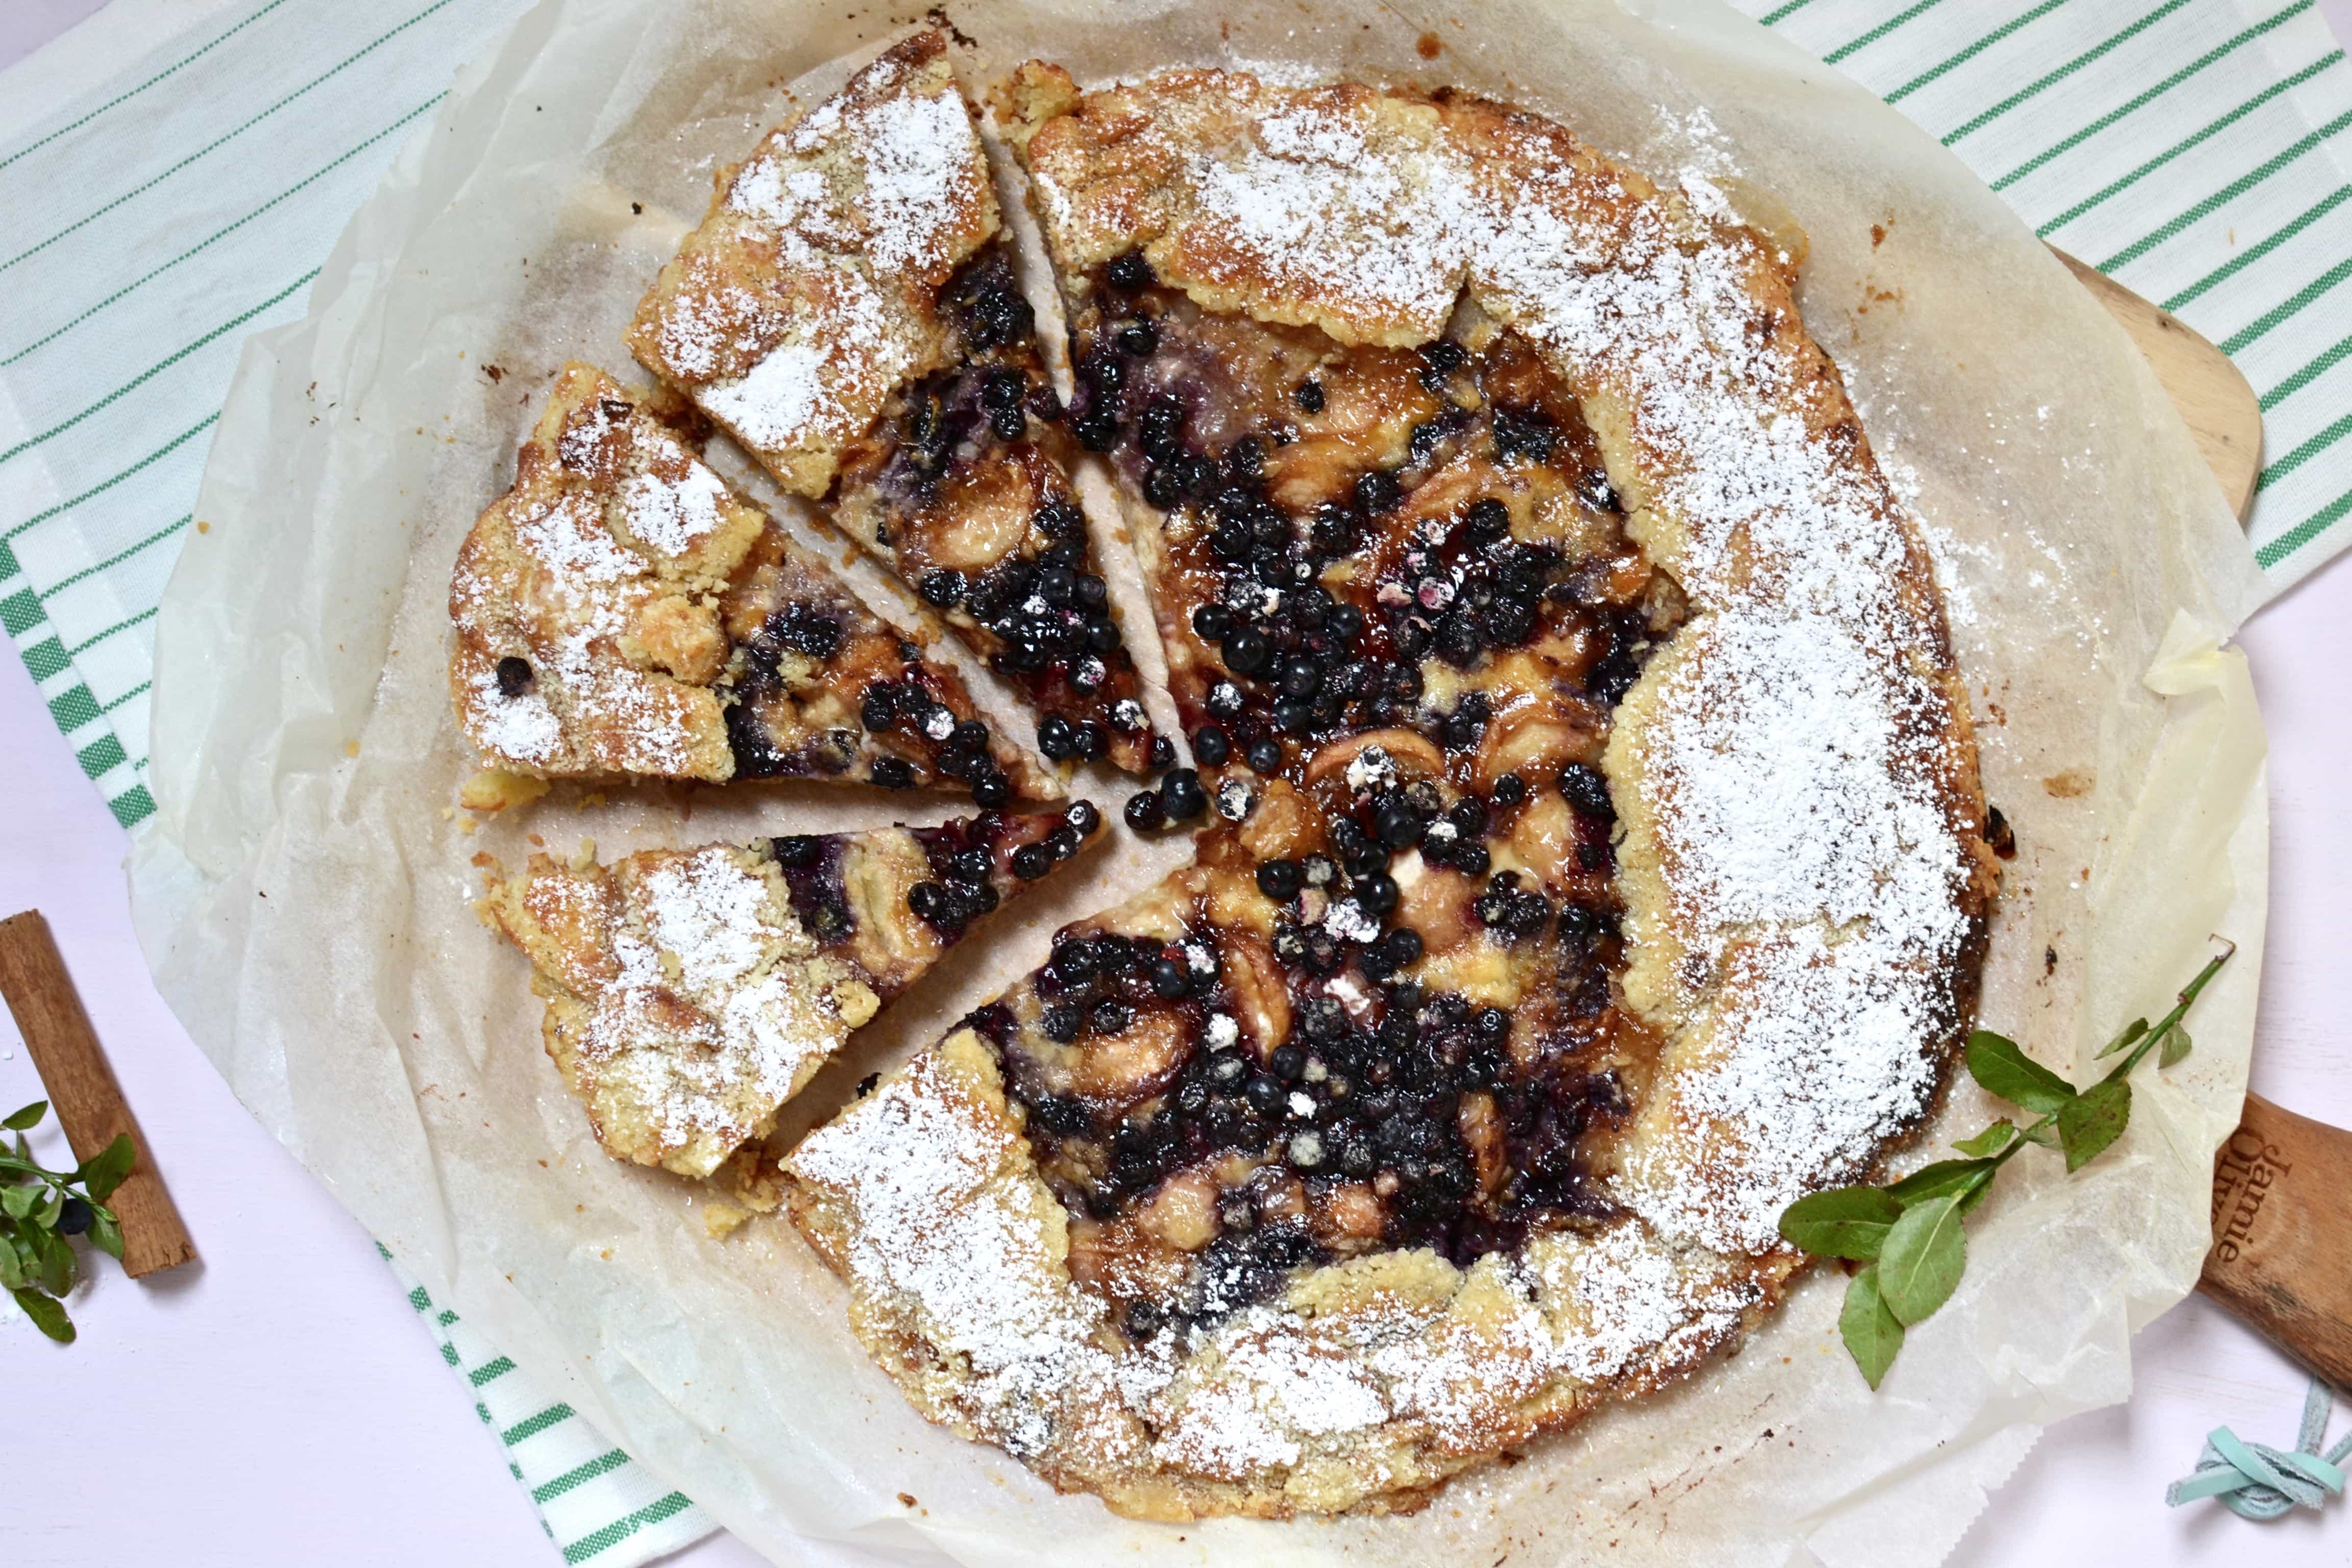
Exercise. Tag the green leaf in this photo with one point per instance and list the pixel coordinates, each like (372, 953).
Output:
(1844, 1222)
(2175, 1046)
(1871, 1332)
(2042, 1132)
(2132, 1031)
(1969, 1179)
(1922, 1260)
(47, 1314)
(1997, 1062)
(18, 1202)
(2088, 1124)
(19, 1241)
(106, 1234)
(47, 1218)
(12, 1267)
(28, 1117)
(103, 1172)
(1991, 1141)
(57, 1266)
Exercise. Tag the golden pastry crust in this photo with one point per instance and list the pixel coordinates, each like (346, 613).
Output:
(622, 613)
(691, 992)
(1798, 855)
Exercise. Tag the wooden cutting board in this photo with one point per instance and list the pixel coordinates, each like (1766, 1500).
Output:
(2213, 398)
(2281, 1250)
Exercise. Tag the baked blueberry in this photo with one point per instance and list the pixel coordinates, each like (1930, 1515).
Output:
(1145, 811)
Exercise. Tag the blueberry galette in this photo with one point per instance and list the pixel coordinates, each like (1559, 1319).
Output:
(1598, 862)
(850, 313)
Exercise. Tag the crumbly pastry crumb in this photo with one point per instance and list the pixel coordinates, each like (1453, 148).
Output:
(1605, 864)
(495, 789)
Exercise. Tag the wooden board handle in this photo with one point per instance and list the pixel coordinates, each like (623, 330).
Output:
(2211, 394)
(82, 1091)
(2282, 1253)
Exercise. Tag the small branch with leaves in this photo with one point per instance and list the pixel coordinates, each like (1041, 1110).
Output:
(40, 1209)
(1906, 1234)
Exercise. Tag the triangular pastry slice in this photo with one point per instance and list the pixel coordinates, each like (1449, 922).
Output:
(850, 313)
(691, 992)
(621, 612)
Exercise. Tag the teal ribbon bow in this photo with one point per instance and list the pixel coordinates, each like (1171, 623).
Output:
(2256, 1481)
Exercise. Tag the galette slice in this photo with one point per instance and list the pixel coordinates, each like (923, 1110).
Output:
(849, 311)
(621, 612)
(691, 992)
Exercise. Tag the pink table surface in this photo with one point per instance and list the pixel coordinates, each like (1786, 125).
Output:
(279, 1401)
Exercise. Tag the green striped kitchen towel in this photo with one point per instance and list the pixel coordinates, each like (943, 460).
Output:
(182, 201)
(598, 1506)
(182, 192)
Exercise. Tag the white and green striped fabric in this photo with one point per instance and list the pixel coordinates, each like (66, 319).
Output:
(598, 1507)
(2190, 147)
(149, 227)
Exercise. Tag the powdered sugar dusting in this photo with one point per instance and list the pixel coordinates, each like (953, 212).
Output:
(918, 154)
(588, 586)
(522, 728)
(673, 515)
(947, 1234)
(610, 512)
(777, 402)
(1792, 797)
(718, 1013)
(716, 918)
(942, 1225)
(580, 554)
(1273, 1387)
(1312, 207)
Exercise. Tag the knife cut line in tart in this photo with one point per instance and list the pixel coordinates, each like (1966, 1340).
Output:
(621, 612)
(1601, 864)
(691, 992)
(850, 313)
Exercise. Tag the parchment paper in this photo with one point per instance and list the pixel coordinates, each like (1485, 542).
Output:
(304, 897)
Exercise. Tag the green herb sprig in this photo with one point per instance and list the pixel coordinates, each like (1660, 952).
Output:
(1908, 1233)
(40, 1209)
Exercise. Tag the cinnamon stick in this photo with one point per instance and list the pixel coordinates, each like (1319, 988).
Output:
(2282, 1252)
(82, 1091)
